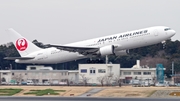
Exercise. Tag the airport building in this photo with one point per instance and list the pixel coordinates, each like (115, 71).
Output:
(39, 76)
(96, 73)
(87, 73)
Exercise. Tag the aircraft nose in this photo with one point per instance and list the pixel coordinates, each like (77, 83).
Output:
(173, 32)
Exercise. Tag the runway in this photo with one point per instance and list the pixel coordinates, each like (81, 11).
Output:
(82, 99)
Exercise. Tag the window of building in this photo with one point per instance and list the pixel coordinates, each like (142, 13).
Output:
(127, 73)
(147, 73)
(83, 70)
(25, 73)
(32, 68)
(12, 73)
(63, 80)
(4, 73)
(101, 70)
(92, 71)
(137, 73)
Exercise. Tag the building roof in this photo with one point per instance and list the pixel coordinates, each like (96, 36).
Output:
(140, 68)
(49, 71)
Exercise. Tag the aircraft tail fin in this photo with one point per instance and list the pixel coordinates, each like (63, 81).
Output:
(23, 46)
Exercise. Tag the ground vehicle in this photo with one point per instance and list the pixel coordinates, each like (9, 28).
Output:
(23, 83)
(146, 84)
(3, 83)
(30, 82)
(39, 83)
(159, 84)
(46, 83)
(136, 83)
(12, 83)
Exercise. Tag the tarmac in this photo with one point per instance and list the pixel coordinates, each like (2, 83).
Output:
(91, 92)
(83, 99)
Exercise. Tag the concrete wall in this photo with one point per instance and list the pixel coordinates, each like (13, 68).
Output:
(73, 76)
(93, 71)
(38, 76)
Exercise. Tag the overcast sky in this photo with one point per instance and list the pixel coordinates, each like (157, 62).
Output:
(66, 21)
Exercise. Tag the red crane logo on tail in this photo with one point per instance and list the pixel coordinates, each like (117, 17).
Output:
(21, 44)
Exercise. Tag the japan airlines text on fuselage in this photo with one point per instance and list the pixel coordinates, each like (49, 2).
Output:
(113, 44)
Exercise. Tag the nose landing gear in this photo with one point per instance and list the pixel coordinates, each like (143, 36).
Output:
(164, 44)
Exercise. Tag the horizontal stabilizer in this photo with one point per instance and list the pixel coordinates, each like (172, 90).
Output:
(21, 58)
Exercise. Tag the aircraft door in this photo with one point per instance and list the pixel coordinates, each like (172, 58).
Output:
(155, 32)
(45, 56)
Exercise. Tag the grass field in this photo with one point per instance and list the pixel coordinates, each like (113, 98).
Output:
(67, 90)
(9, 92)
(124, 91)
(128, 91)
(44, 92)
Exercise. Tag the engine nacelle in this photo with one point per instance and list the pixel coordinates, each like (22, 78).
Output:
(121, 52)
(106, 50)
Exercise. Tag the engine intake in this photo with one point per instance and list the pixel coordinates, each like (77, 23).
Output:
(106, 50)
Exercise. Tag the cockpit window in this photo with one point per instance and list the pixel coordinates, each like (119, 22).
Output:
(166, 29)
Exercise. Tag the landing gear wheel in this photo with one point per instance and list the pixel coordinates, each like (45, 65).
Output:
(95, 61)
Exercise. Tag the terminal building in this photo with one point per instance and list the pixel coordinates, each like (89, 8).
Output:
(87, 73)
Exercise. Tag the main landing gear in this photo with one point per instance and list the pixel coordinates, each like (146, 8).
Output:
(95, 61)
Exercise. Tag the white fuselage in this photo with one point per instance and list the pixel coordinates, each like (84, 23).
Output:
(124, 41)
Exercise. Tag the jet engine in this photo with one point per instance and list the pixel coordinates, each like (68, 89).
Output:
(106, 50)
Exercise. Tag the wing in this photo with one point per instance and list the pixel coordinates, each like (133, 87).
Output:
(84, 50)
(21, 58)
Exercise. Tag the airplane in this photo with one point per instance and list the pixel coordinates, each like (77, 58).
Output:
(116, 44)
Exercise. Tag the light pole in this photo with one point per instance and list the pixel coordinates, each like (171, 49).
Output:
(0, 75)
(173, 72)
(172, 68)
(10, 66)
